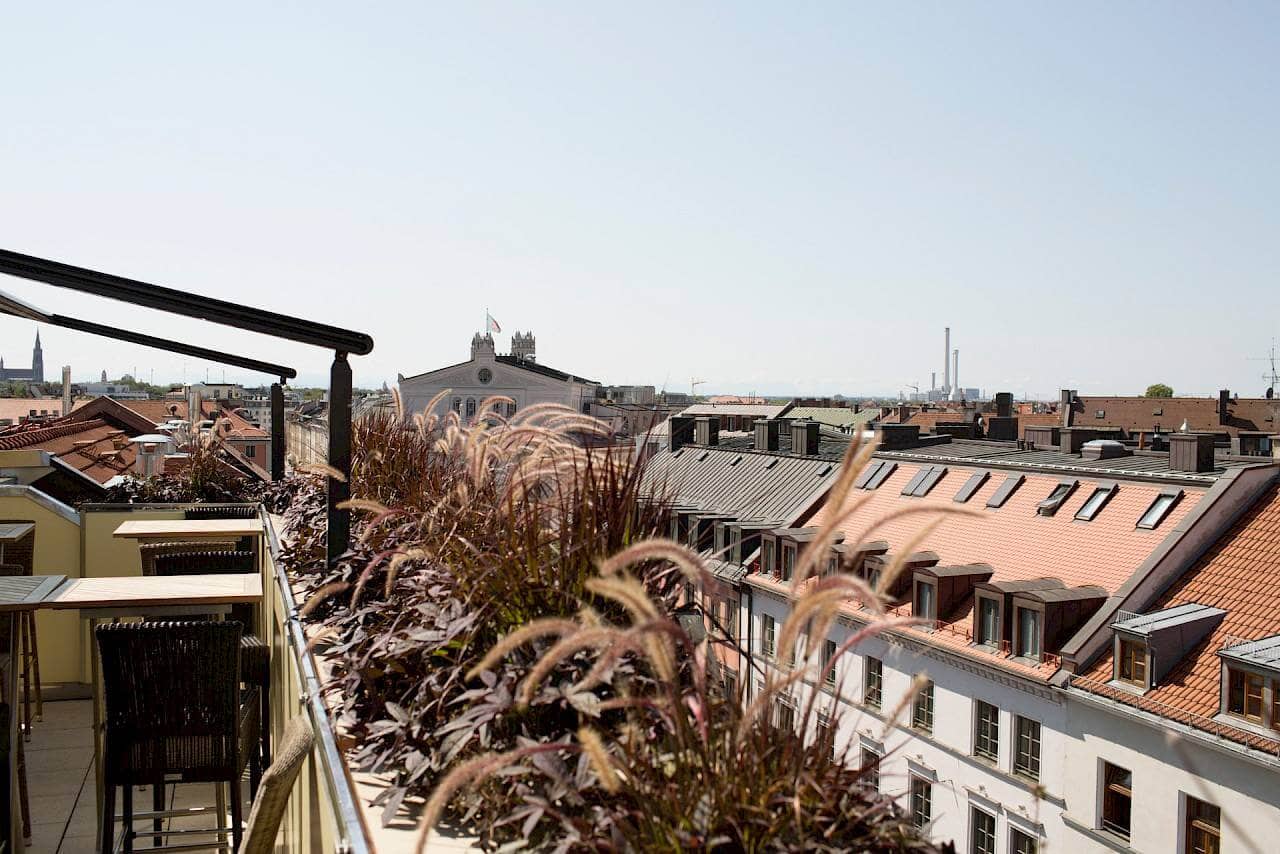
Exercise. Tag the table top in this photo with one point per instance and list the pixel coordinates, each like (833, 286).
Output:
(157, 590)
(149, 529)
(26, 592)
(11, 532)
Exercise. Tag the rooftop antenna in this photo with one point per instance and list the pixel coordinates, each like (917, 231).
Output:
(1272, 378)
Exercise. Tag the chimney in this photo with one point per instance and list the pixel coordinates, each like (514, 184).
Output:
(857, 407)
(904, 414)
(893, 436)
(66, 389)
(946, 364)
(707, 430)
(766, 434)
(1191, 452)
(1072, 439)
(1066, 399)
(1224, 401)
(805, 436)
(955, 374)
(681, 432)
(1004, 405)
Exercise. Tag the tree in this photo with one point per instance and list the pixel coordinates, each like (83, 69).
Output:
(1159, 390)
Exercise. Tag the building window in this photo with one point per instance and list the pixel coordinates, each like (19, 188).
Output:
(768, 635)
(1022, 843)
(925, 599)
(828, 666)
(921, 801)
(1204, 827)
(1133, 663)
(1094, 503)
(1005, 490)
(730, 683)
(1056, 498)
(982, 832)
(824, 735)
(922, 708)
(471, 407)
(731, 618)
(871, 767)
(988, 622)
(1026, 752)
(457, 405)
(788, 562)
(1029, 633)
(786, 715)
(1117, 799)
(873, 683)
(250, 450)
(1159, 509)
(1244, 695)
(972, 485)
(766, 558)
(986, 731)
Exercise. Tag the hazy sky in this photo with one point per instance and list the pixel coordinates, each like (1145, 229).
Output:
(779, 197)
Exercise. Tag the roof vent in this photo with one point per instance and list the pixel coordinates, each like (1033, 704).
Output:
(1191, 452)
(805, 437)
(707, 430)
(766, 434)
(1104, 449)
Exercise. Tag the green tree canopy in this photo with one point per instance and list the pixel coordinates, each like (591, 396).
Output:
(1159, 390)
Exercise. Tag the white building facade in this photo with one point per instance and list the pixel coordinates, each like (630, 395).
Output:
(518, 376)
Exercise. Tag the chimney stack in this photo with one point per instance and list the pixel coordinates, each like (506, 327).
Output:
(766, 434)
(1224, 401)
(1191, 452)
(946, 364)
(1066, 406)
(66, 389)
(805, 437)
(681, 432)
(1004, 404)
(707, 430)
(955, 374)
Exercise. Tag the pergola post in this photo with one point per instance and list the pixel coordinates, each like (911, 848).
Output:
(277, 431)
(339, 535)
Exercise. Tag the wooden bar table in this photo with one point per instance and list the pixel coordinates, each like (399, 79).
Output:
(149, 596)
(17, 593)
(169, 530)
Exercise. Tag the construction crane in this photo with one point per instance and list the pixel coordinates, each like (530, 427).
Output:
(912, 386)
(693, 386)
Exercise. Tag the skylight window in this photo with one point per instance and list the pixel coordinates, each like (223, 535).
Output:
(972, 485)
(1001, 495)
(1095, 502)
(871, 470)
(704, 455)
(736, 460)
(1159, 509)
(1057, 498)
(881, 475)
(910, 488)
(924, 480)
(773, 462)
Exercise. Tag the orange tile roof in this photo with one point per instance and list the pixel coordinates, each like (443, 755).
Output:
(1239, 575)
(159, 411)
(89, 446)
(1019, 544)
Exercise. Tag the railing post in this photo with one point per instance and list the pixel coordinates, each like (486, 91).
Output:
(339, 523)
(277, 431)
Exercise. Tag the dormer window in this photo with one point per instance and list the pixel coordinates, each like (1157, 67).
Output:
(833, 565)
(926, 603)
(766, 557)
(1056, 498)
(988, 626)
(1244, 694)
(1131, 665)
(1101, 495)
(1029, 639)
(788, 561)
(1159, 508)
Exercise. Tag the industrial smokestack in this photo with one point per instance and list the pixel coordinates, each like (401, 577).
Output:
(955, 373)
(66, 389)
(933, 381)
(946, 364)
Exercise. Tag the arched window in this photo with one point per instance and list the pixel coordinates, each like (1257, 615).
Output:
(471, 407)
(457, 405)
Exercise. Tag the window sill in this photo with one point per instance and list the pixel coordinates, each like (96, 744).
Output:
(1111, 840)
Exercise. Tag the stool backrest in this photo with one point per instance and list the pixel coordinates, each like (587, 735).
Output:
(273, 793)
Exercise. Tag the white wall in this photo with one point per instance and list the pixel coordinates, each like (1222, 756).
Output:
(944, 757)
(1166, 767)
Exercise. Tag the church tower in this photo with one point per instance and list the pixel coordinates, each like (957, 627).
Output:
(37, 361)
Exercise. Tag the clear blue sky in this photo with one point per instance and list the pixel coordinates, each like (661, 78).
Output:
(780, 197)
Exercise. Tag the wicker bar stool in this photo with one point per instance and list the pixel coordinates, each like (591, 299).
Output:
(7, 709)
(151, 551)
(174, 713)
(255, 656)
(23, 553)
(277, 782)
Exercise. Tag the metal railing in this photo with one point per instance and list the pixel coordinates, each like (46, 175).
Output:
(349, 827)
(1219, 729)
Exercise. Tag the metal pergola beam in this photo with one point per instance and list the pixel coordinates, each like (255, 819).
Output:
(341, 341)
(180, 302)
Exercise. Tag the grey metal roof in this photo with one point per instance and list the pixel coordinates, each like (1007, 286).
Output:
(1264, 652)
(1022, 586)
(1066, 594)
(979, 452)
(831, 444)
(758, 487)
(1145, 624)
(836, 416)
(963, 570)
(760, 410)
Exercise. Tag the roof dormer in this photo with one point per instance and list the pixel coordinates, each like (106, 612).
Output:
(899, 589)
(1148, 646)
(1044, 619)
(939, 591)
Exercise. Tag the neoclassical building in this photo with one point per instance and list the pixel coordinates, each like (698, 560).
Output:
(517, 375)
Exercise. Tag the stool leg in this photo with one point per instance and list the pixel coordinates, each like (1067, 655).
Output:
(265, 721)
(157, 804)
(236, 830)
(108, 817)
(127, 817)
(35, 667)
(222, 810)
(26, 678)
